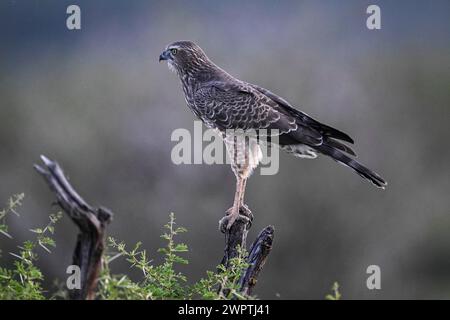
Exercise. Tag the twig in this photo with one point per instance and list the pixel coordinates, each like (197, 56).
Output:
(90, 221)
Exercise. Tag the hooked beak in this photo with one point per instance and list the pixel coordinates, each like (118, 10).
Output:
(164, 56)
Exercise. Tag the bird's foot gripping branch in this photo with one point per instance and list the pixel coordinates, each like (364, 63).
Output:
(236, 239)
(245, 217)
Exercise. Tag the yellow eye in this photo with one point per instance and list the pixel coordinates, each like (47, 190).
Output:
(173, 51)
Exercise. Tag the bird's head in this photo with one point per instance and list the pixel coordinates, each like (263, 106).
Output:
(184, 57)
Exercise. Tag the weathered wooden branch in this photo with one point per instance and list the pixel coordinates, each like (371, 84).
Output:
(90, 221)
(236, 237)
(256, 259)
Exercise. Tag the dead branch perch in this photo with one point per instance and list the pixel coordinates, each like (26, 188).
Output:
(90, 221)
(236, 237)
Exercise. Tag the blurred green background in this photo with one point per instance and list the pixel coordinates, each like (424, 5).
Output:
(98, 102)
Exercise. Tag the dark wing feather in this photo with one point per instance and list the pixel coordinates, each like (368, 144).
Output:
(226, 105)
(304, 118)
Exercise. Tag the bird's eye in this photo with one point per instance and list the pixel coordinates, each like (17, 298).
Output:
(173, 51)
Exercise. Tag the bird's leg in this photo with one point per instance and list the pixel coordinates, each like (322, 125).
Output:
(244, 209)
(233, 212)
(241, 199)
(239, 210)
(241, 170)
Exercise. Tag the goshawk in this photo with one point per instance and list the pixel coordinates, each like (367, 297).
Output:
(230, 105)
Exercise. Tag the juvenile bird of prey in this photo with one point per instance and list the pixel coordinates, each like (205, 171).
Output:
(225, 103)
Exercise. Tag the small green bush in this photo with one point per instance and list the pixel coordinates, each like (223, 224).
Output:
(24, 280)
(162, 281)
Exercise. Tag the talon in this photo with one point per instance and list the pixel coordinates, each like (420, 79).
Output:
(233, 215)
(226, 222)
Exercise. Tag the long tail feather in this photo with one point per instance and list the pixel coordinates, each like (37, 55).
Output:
(340, 157)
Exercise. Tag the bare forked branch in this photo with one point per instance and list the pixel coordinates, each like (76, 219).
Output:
(90, 221)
